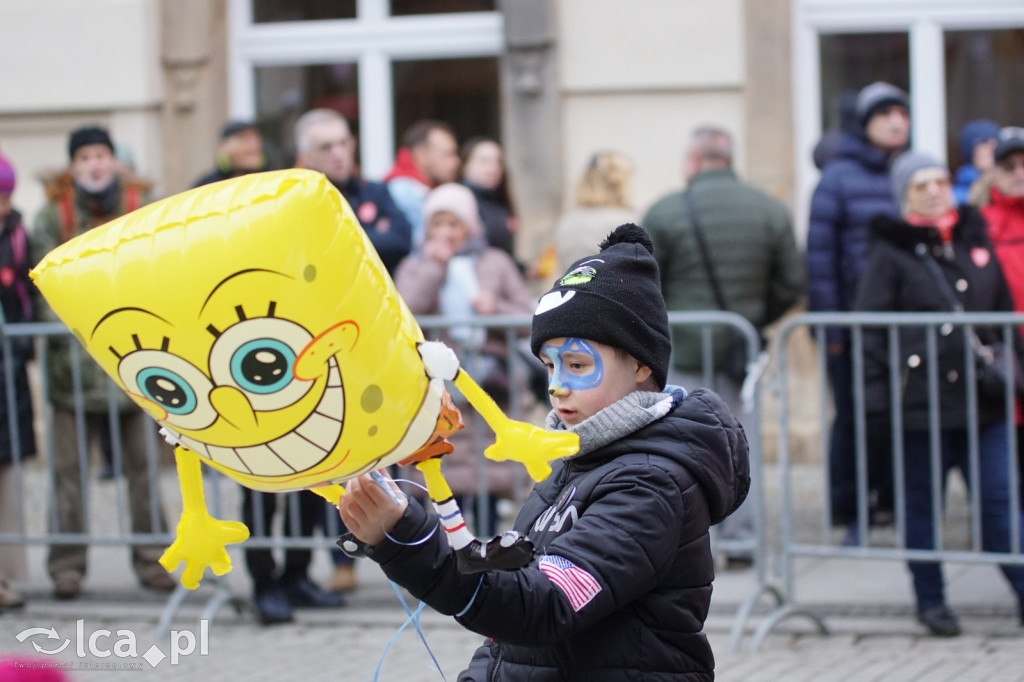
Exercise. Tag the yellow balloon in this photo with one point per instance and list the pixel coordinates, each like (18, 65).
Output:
(254, 321)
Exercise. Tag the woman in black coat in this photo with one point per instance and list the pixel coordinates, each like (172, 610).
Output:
(907, 258)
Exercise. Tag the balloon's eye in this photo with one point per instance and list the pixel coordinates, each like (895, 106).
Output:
(172, 383)
(263, 365)
(257, 356)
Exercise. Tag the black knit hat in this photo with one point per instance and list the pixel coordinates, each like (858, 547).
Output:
(88, 135)
(614, 298)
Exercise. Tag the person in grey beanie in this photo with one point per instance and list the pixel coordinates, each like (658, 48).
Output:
(936, 258)
(854, 187)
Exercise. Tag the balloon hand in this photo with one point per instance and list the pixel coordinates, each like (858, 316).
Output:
(531, 446)
(200, 544)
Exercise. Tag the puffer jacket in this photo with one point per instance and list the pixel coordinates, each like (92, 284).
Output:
(854, 188)
(631, 520)
(47, 234)
(897, 280)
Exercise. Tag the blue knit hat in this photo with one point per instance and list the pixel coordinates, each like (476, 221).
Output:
(974, 132)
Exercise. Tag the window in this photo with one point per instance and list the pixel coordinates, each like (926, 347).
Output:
(382, 63)
(461, 92)
(265, 11)
(283, 93)
(405, 7)
(851, 61)
(984, 75)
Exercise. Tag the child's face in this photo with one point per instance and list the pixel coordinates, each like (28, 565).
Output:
(585, 376)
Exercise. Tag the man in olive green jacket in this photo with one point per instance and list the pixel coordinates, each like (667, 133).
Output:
(748, 237)
(92, 192)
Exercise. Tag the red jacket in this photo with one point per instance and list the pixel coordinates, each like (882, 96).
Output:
(1005, 218)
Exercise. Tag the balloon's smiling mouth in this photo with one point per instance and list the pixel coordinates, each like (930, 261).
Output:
(299, 450)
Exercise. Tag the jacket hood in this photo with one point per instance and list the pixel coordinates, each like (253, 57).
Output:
(702, 435)
(970, 229)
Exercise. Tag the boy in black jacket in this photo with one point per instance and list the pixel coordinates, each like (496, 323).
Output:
(620, 584)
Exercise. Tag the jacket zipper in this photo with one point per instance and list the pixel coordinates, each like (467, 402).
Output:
(497, 664)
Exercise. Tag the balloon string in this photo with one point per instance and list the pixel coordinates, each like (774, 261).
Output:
(414, 619)
(428, 535)
(414, 543)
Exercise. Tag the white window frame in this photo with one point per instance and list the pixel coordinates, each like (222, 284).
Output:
(924, 21)
(373, 40)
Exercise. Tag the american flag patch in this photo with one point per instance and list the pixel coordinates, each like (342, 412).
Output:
(579, 586)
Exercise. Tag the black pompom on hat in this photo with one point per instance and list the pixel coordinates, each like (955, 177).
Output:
(613, 297)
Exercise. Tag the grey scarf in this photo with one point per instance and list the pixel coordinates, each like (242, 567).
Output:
(621, 418)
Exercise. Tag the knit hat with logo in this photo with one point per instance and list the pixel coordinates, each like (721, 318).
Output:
(613, 297)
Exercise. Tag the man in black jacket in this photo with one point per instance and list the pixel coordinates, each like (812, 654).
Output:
(620, 583)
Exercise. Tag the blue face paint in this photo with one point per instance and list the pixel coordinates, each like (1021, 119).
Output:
(563, 374)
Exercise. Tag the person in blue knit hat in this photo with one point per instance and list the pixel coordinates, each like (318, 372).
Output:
(977, 151)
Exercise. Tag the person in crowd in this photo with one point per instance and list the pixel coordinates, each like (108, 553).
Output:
(456, 273)
(1005, 217)
(16, 304)
(427, 156)
(854, 187)
(723, 244)
(483, 172)
(603, 199)
(621, 581)
(977, 144)
(324, 142)
(91, 193)
(240, 151)
(934, 258)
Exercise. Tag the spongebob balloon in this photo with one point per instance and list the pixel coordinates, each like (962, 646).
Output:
(254, 321)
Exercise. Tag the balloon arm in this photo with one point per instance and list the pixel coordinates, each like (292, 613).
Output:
(201, 538)
(332, 493)
(517, 441)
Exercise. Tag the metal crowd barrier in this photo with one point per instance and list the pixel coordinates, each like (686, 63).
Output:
(809, 533)
(106, 514)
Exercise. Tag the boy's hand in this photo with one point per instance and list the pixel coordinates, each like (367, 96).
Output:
(368, 510)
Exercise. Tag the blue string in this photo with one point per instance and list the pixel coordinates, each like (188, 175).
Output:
(414, 620)
(471, 599)
(414, 542)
